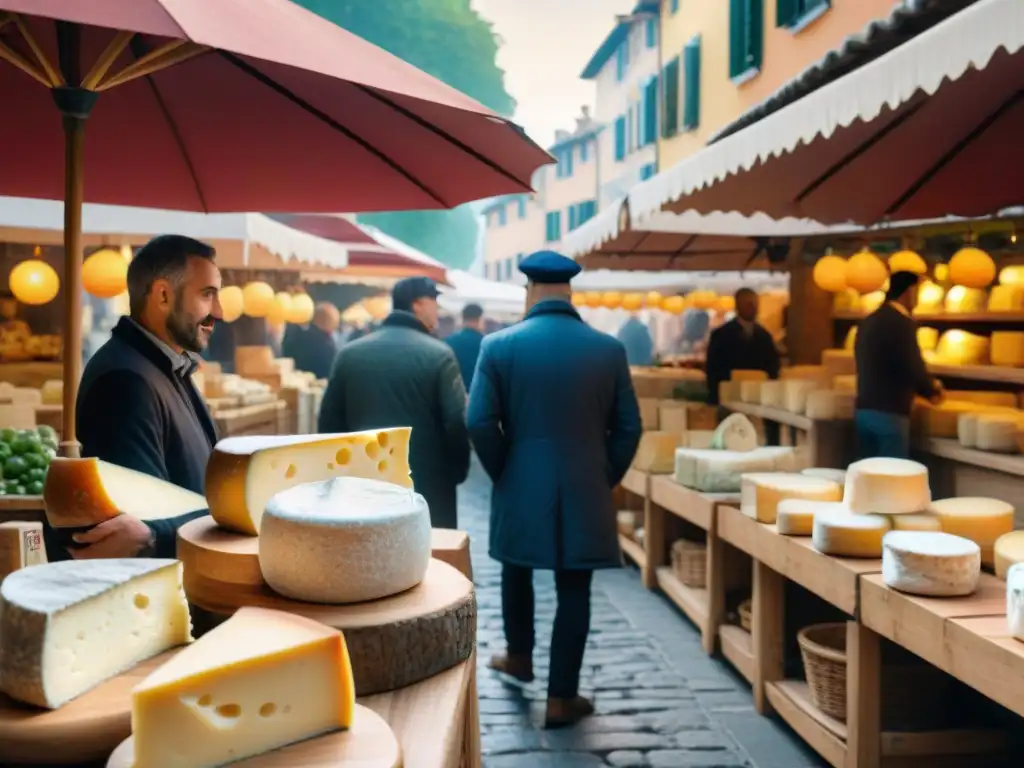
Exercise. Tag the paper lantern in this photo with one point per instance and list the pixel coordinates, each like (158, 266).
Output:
(865, 272)
(653, 300)
(907, 261)
(579, 300)
(611, 300)
(674, 304)
(33, 281)
(105, 274)
(830, 273)
(301, 310)
(231, 303)
(279, 308)
(941, 273)
(972, 268)
(725, 304)
(632, 302)
(257, 298)
(703, 299)
(593, 299)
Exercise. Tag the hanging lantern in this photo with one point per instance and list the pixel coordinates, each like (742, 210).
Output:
(865, 272)
(725, 304)
(105, 274)
(830, 273)
(258, 296)
(703, 299)
(632, 302)
(611, 300)
(593, 299)
(33, 281)
(231, 303)
(279, 308)
(674, 304)
(942, 273)
(907, 261)
(972, 268)
(301, 309)
(653, 300)
(579, 300)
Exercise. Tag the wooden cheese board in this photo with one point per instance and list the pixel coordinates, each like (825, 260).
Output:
(370, 743)
(83, 730)
(393, 642)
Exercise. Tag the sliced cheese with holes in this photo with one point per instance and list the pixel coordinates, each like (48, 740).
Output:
(748, 375)
(1008, 549)
(835, 475)
(887, 487)
(259, 681)
(21, 545)
(761, 493)
(712, 471)
(795, 517)
(772, 393)
(930, 564)
(244, 472)
(750, 391)
(795, 391)
(735, 433)
(68, 626)
(1015, 600)
(841, 533)
(982, 520)
(1007, 348)
(85, 492)
(657, 452)
(997, 431)
(916, 521)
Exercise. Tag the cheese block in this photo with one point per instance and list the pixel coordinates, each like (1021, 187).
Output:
(772, 394)
(978, 519)
(21, 545)
(822, 405)
(657, 452)
(649, 407)
(80, 493)
(930, 564)
(887, 487)
(1008, 549)
(748, 375)
(696, 438)
(838, 362)
(813, 372)
(967, 425)
(795, 391)
(711, 471)
(961, 300)
(344, 540)
(672, 416)
(927, 339)
(68, 626)
(244, 472)
(916, 521)
(1006, 298)
(795, 517)
(750, 391)
(729, 392)
(261, 680)
(958, 347)
(1007, 348)
(1015, 600)
(845, 383)
(735, 433)
(997, 431)
(761, 493)
(841, 533)
(941, 420)
(835, 475)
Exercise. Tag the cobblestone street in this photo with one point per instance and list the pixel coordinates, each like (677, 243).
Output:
(661, 701)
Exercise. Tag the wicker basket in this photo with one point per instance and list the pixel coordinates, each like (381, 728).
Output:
(823, 648)
(745, 613)
(690, 563)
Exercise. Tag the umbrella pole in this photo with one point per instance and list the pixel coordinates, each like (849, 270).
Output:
(74, 140)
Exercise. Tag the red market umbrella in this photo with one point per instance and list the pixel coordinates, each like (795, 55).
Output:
(229, 106)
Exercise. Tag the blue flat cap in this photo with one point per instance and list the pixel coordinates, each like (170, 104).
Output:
(549, 267)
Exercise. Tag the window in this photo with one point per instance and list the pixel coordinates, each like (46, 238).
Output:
(630, 133)
(622, 60)
(522, 207)
(674, 6)
(647, 171)
(795, 13)
(670, 99)
(502, 216)
(651, 33)
(572, 218)
(508, 267)
(519, 258)
(746, 36)
(691, 92)
(650, 111)
(620, 138)
(587, 211)
(564, 168)
(553, 226)
(584, 151)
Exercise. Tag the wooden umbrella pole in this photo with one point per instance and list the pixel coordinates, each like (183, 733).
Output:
(74, 140)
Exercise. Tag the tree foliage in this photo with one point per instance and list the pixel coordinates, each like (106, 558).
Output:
(449, 40)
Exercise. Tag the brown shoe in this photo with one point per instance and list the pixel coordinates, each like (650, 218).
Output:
(519, 667)
(563, 712)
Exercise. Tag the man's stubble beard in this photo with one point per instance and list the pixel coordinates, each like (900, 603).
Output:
(182, 332)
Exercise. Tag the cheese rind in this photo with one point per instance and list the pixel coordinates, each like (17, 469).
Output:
(761, 493)
(1015, 600)
(68, 626)
(245, 472)
(735, 433)
(1007, 551)
(345, 540)
(795, 517)
(932, 564)
(843, 534)
(981, 520)
(887, 487)
(259, 681)
(916, 521)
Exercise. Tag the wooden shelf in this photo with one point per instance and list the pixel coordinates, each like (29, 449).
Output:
(991, 373)
(690, 600)
(948, 317)
(950, 449)
(635, 482)
(771, 414)
(982, 653)
(633, 551)
(686, 503)
(738, 529)
(791, 699)
(738, 649)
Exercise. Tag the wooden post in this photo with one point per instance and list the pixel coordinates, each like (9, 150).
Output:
(863, 697)
(74, 140)
(654, 540)
(716, 578)
(809, 319)
(768, 608)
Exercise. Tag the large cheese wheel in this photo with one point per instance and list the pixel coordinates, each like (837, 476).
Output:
(795, 517)
(930, 563)
(344, 540)
(735, 433)
(887, 487)
(979, 519)
(1007, 551)
(843, 534)
(761, 493)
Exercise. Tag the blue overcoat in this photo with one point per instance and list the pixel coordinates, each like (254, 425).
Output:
(555, 422)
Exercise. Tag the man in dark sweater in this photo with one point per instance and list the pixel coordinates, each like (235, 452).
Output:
(465, 343)
(890, 372)
(137, 404)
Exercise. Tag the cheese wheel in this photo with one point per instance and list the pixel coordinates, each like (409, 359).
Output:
(772, 393)
(997, 432)
(835, 475)
(712, 471)
(735, 433)
(929, 563)
(657, 452)
(795, 391)
(887, 487)
(1008, 550)
(843, 534)
(1015, 600)
(978, 519)
(761, 493)
(750, 391)
(967, 424)
(795, 517)
(915, 521)
(345, 540)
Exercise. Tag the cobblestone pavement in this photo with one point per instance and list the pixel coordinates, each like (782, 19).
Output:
(661, 701)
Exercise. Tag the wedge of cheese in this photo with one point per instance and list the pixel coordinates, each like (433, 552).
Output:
(245, 472)
(735, 433)
(1007, 348)
(841, 533)
(657, 452)
(259, 681)
(68, 626)
(887, 487)
(978, 519)
(761, 493)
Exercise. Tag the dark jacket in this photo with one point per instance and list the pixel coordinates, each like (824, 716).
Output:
(890, 368)
(636, 338)
(555, 422)
(731, 349)
(134, 411)
(400, 376)
(314, 351)
(466, 345)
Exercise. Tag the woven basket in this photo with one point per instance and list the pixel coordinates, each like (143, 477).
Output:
(823, 648)
(745, 613)
(690, 563)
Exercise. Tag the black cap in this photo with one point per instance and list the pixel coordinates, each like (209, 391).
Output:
(549, 267)
(409, 289)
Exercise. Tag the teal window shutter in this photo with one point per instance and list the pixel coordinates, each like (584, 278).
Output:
(651, 33)
(572, 217)
(746, 36)
(522, 207)
(651, 111)
(630, 133)
(620, 138)
(670, 100)
(675, 6)
(584, 148)
(691, 103)
(786, 12)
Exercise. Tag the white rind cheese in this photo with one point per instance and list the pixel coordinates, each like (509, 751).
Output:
(345, 540)
(835, 475)
(761, 493)
(887, 487)
(795, 517)
(711, 471)
(997, 432)
(930, 564)
(840, 533)
(66, 627)
(1015, 600)
(735, 433)
(795, 392)
(750, 391)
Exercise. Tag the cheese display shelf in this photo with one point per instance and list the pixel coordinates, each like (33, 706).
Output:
(954, 318)
(635, 484)
(21, 508)
(828, 441)
(992, 373)
(946, 448)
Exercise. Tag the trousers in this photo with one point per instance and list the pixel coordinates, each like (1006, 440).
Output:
(882, 434)
(572, 623)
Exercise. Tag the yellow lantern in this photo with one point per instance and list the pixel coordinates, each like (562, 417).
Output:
(725, 304)
(33, 281)
(942, 273)
(830, 273)
(674, 304)
(907, 261)
(578, 300)
(593, 299)
(231, 303)
(865, 272)
(279, 308)
(258, 297)
(105, 274)
(972, 268)
(703, 299)
(612, 300)
(300, 311)
(653, 299)
(632, 302)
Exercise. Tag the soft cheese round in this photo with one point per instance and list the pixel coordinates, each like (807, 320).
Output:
(887, 487)
(344, 540)
(930, 563)
(839, 532)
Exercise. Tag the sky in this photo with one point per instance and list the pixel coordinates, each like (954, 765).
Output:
(546, 44)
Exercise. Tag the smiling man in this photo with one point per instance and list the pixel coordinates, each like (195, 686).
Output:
(137, 404)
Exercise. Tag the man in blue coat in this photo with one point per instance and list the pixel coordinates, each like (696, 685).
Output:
(466, 342)
(555, 422)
